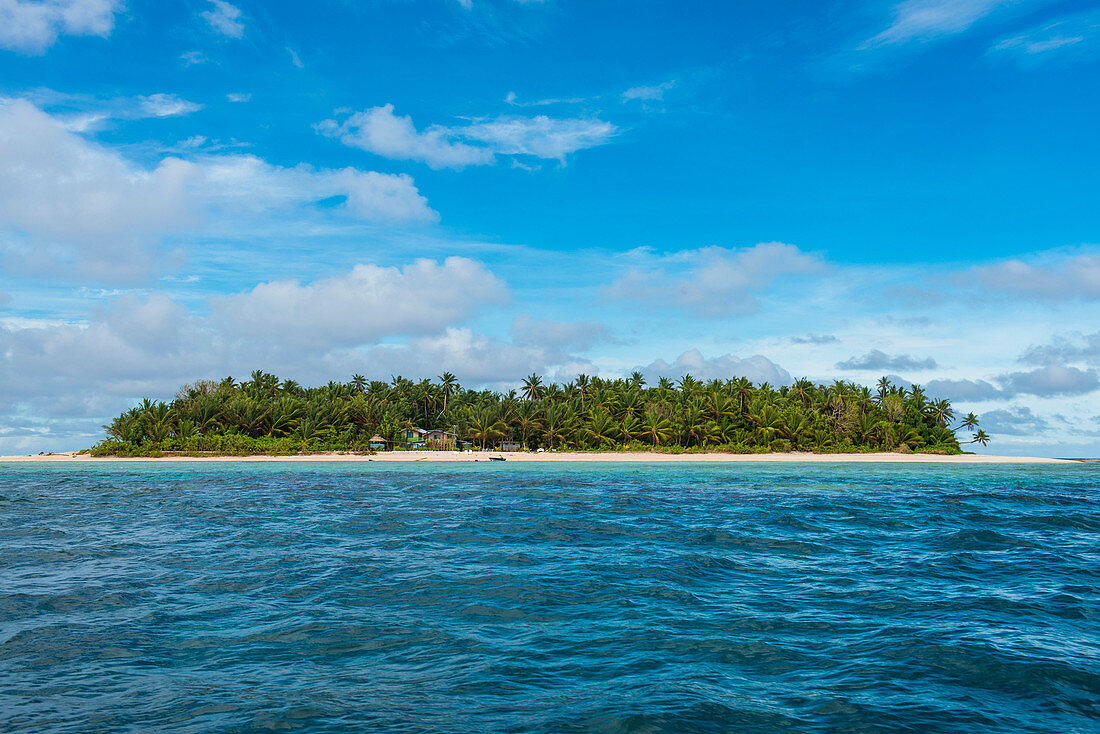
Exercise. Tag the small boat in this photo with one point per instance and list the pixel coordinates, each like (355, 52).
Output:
(497, 458)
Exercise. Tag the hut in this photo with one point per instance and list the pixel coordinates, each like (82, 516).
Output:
(377, 443)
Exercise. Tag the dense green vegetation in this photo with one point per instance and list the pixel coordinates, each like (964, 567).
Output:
(268, 415)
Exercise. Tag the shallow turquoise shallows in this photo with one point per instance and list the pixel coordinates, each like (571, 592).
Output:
(563, 598)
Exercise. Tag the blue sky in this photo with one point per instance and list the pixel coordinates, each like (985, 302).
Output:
(827, 189)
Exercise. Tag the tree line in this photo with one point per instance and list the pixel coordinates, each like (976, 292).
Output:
(265, 414)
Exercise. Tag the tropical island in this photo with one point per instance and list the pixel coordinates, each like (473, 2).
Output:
(269, 416)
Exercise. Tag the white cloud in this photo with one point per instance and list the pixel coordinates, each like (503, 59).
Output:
(225, 19)
(71, 203)
(757, 368)
(1013, 421)
(1052, 380)
(712, 281)
(577, 335)
(1068, 36)
(878, 360)
(239, 96)
(1063, 350)
(475, 358)
(32, 27)
(654, 93)
(1053, 278)
(366, 304)
(541, 136)
(974, 390)
(190, 58)
(167, 105)
(380, 131)
(923, 20)
(816, 339)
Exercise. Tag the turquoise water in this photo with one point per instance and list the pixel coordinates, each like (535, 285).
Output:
(565, 598)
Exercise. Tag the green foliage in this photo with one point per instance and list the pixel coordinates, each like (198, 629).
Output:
(264, 415)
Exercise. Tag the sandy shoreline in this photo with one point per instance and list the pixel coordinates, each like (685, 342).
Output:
(523, 457)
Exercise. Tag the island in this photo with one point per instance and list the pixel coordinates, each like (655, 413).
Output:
(269, 416)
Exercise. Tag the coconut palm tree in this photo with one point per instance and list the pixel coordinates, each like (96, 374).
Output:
(656, 428)
(601, 429)
(448, 382)
(970, 422)
(980, 437)
(532, 387)
(883, 387)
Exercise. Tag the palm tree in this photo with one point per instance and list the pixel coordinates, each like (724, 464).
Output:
(630, 428)
(656, 428)
(358, 383)
(637, 379)
(883, 387)
(970, 422)
(980, 437)
(448, 382)
(601, 428)
(532, 387)
(941, 412)
(527, 420)
(742, 388)
(557, 423)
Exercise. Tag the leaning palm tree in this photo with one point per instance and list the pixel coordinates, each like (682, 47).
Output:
(980, 437)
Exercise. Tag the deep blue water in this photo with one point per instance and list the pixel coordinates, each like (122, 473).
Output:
(565, 598)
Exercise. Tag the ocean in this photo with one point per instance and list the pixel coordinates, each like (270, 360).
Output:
(549, 598)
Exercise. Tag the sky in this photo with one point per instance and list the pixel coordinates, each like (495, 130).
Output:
(826, 189)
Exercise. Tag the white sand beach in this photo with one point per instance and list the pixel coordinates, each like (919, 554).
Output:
(566, 456)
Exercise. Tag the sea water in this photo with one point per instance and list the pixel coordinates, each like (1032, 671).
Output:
(549, 598)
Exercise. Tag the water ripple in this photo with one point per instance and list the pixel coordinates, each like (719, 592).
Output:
(633, 598)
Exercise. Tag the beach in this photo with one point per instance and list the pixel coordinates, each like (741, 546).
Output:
(565, 456)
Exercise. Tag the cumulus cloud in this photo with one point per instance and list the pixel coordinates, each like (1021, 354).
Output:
(1052, 380)
(878, 360)
(475, 358)
(712, 281)
(757, 368)
(1085, 348)
(925, 20)
(379, 130)
(32, 27)
(814, 339)
(575, 335)
(1076, 277)
(68, 203)
(976, 390)
(1013, 421)
(362, 306)
(60, 381)
(225, 19)
(167, 105)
